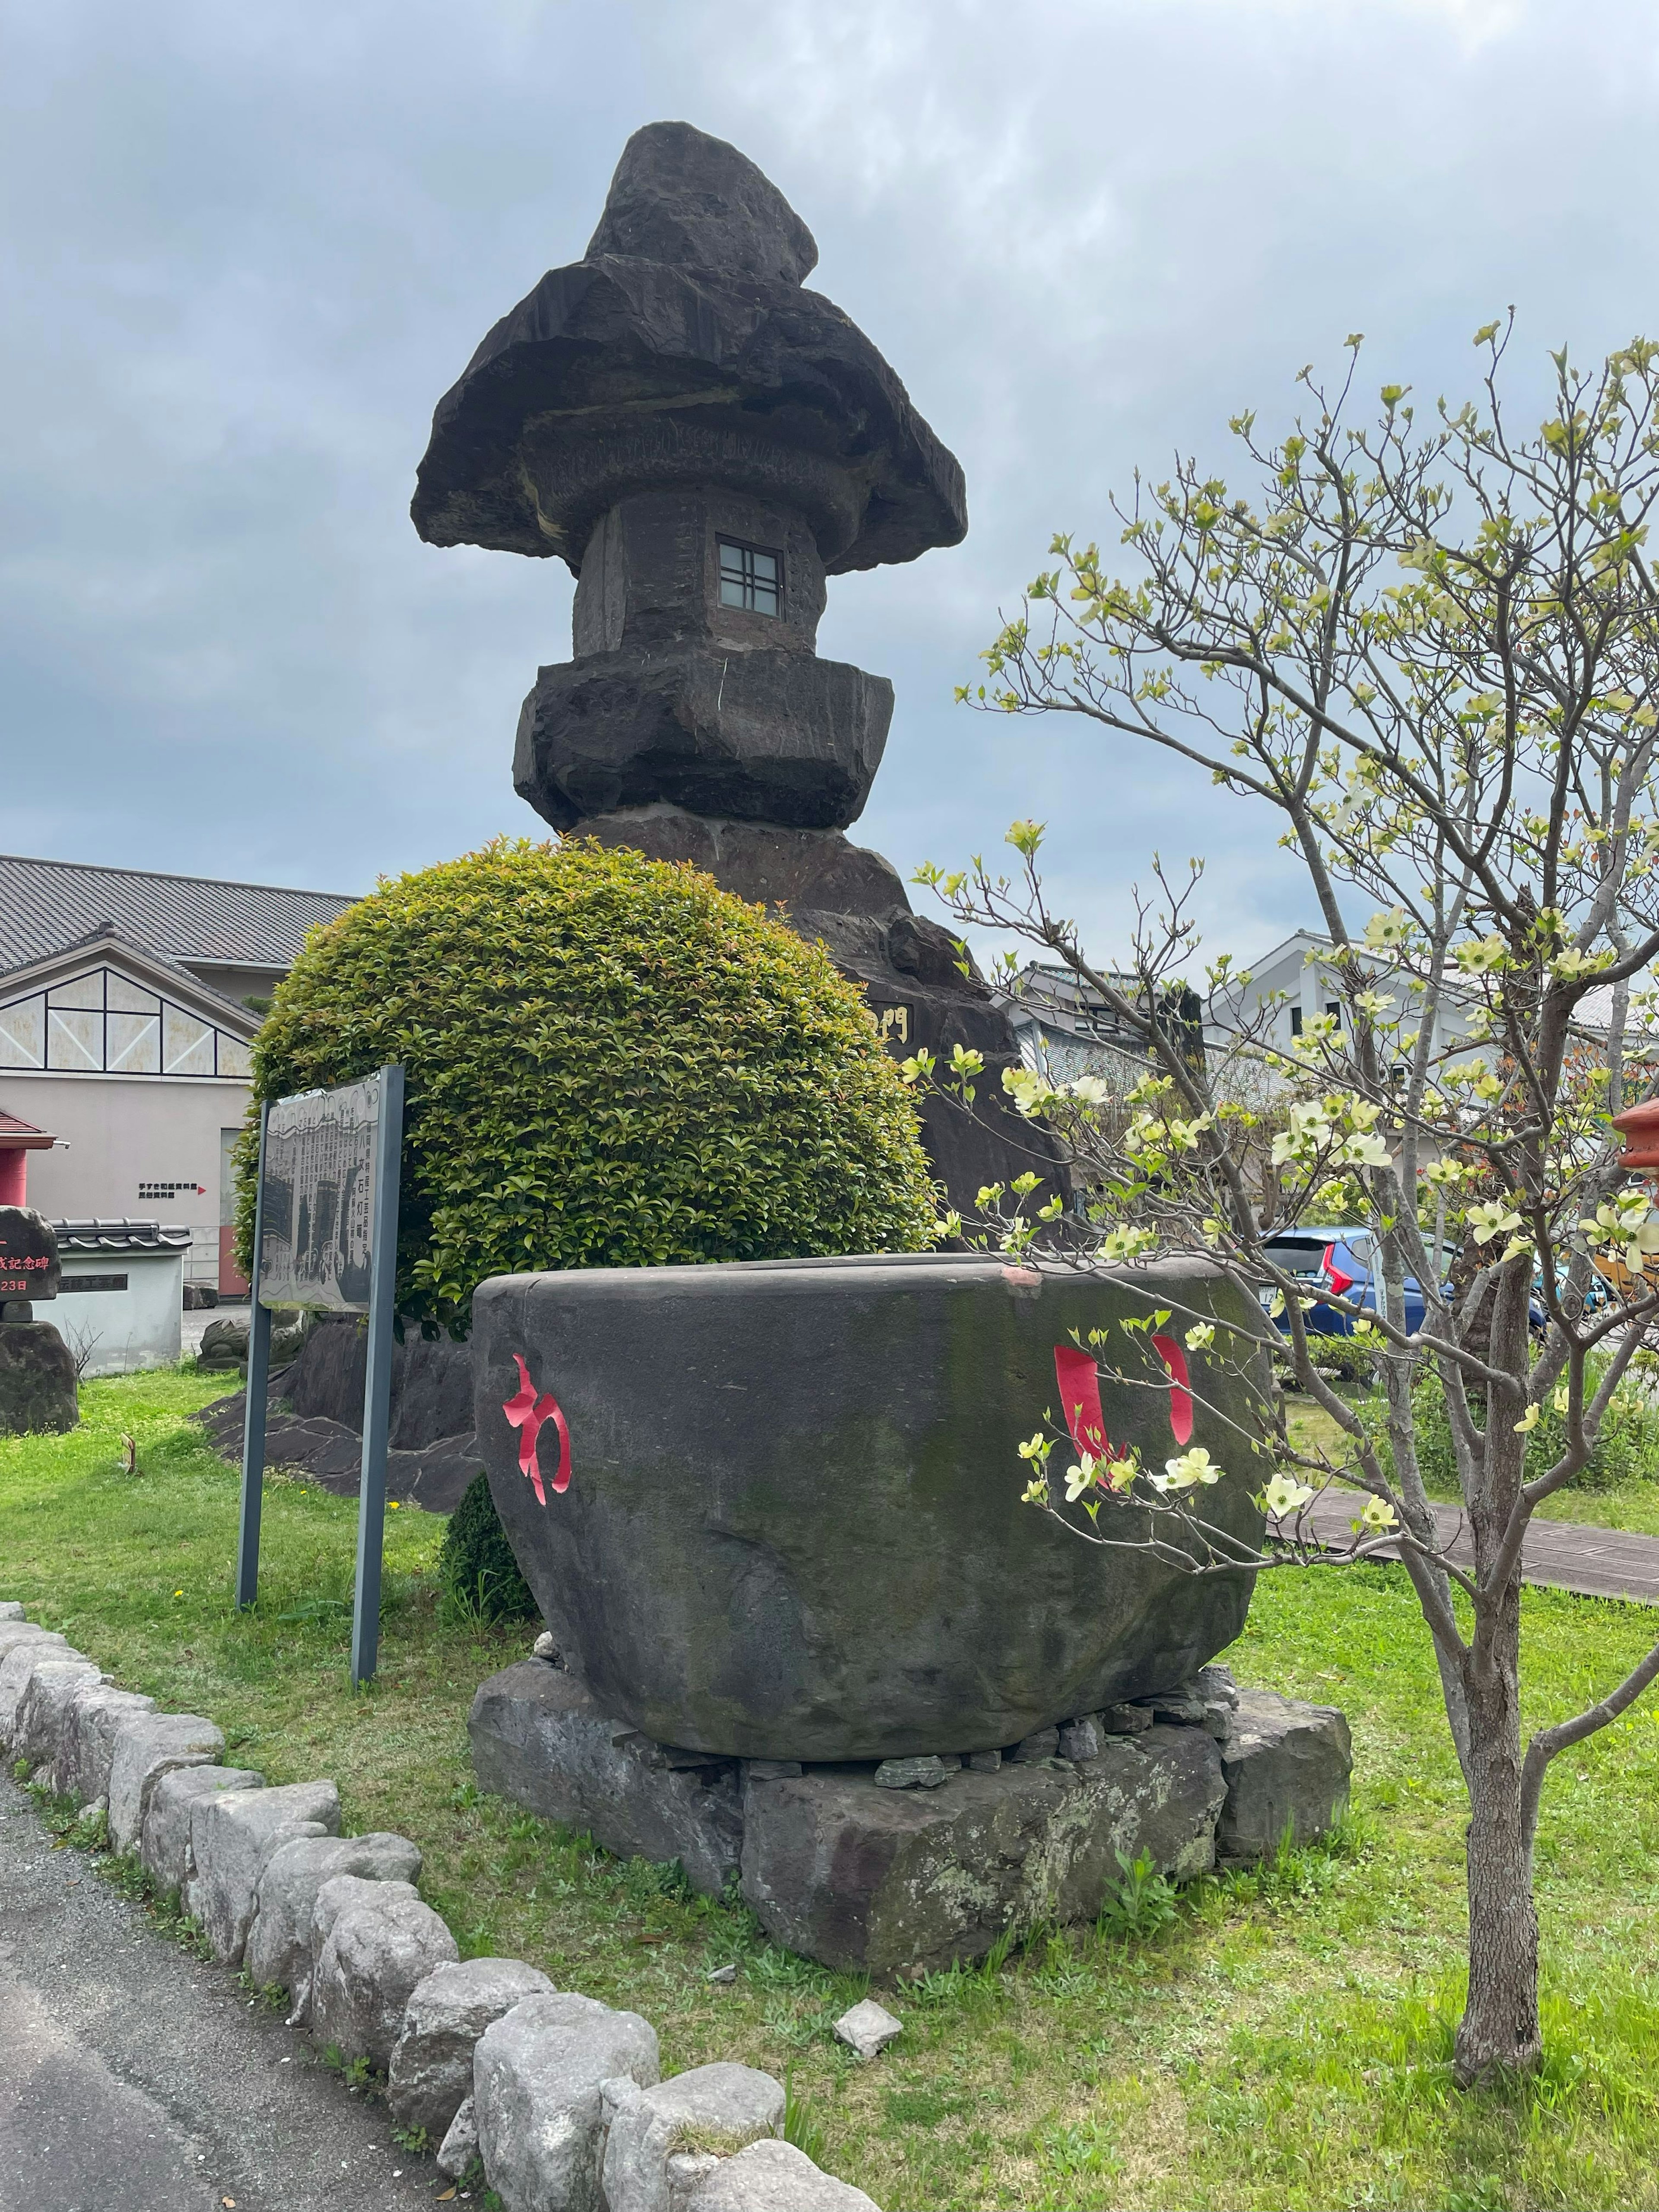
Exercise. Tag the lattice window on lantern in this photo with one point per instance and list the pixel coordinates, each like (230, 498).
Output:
(750, 577)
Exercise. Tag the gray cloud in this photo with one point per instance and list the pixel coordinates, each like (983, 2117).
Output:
(244, 251)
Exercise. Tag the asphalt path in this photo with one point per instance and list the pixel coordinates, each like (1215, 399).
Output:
(134, 2078)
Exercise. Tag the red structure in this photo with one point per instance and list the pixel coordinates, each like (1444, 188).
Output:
(1639, 1127)
(17, 1140)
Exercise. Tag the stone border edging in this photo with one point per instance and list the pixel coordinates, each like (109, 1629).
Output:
(559, 2097)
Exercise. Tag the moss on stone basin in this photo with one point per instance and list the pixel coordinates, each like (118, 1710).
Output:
(793, 1526)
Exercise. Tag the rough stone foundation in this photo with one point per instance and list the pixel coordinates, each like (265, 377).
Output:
(889, 1868)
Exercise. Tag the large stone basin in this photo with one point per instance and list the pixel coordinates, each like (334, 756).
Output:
(793, 1526)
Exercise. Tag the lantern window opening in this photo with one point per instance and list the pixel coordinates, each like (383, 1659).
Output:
(751, 577)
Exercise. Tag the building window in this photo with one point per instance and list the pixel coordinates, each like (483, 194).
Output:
(1296, 1021)
(100, 1024)
(750, 578)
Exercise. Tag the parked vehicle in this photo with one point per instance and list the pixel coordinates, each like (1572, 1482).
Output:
(1339, 1260)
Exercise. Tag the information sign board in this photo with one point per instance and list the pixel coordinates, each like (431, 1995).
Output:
(325, 1236)
(317, 1198)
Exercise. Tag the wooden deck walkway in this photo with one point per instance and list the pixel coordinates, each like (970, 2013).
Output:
(1568, 1555)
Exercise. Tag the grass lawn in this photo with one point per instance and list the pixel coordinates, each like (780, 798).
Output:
(1632, 1505)
(1283, 2042)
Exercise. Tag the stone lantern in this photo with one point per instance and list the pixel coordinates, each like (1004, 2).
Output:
(705, 443)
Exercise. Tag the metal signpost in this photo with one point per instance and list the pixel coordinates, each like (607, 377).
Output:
(325, 1237)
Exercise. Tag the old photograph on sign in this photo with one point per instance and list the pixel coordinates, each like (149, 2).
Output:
(318, 1199)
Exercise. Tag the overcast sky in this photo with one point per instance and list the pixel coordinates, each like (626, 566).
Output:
(246, 248)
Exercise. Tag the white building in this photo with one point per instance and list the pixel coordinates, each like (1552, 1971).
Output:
(1292, 975)
(128, 1002)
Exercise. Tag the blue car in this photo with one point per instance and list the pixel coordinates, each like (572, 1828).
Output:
(1339, 1261)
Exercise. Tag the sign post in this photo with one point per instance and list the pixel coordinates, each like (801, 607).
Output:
(254, 1413)
(377, 1384)
(325, 1237)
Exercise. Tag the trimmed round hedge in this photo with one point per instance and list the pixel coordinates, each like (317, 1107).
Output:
(609, 1061)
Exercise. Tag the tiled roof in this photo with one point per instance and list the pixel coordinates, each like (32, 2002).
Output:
(45, 905)
(17, 1136)
(119, 1235)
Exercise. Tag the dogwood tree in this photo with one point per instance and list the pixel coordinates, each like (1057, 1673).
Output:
(1424, 644)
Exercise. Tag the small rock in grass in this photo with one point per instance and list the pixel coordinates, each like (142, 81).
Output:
(1081, 1738)
(1042, 1743)
(279, 1947)
(723, 1974)
(925, 1773)
(868, 2028)
(10, 1609)
(164, 1844)
(545, 1648)
(233, 1833)
(711, 2110)
(460, 2144)
(985, 1762)
(774, 2177)
(535, 2080)
(432, 2063)
(380, 1950)
(148, 1747)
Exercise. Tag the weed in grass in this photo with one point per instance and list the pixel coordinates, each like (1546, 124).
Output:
(359, 2074)
(802, 2124)
(415, 2141)
(1139, 1903)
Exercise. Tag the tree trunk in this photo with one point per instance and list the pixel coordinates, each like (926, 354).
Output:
(1499, 2028)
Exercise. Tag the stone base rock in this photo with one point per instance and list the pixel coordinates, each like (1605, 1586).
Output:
(331, 1454)
(431, 2073)
(39, 1389)
(873, 1881)
(1286, 1766)
(872, 1878)
(539, 1739)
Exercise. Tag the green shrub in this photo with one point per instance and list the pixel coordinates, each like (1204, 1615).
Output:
(1626, 1450)
(476, 1566)
(610, 1062)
